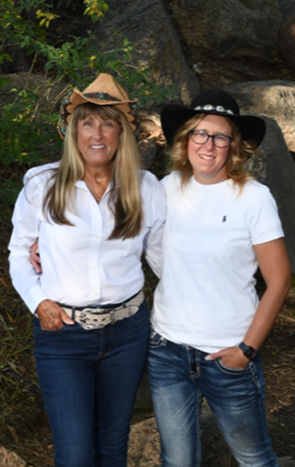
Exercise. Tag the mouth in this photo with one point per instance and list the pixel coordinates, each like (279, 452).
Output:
(206, 157)
(97, 146)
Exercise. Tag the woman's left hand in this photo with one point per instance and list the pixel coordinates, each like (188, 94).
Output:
(35, 258)
(231, 357)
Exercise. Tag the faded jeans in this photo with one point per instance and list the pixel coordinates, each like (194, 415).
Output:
(179, 378)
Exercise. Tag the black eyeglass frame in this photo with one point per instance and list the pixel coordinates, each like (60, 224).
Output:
(192, 132)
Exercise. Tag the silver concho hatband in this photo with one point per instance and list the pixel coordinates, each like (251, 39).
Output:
(218, 108)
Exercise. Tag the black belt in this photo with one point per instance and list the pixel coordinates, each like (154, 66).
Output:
(109, 307)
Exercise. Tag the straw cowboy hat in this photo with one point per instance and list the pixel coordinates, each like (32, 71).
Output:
(217, 102)
(103, 91)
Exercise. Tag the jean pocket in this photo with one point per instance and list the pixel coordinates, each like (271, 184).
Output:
(156, 340)
(231, 371)
(37, 328)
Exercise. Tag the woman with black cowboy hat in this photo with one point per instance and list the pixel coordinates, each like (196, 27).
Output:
(94, 213)
(208, 323)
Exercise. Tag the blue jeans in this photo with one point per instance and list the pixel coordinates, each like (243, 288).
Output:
(89, 381)
(179, 378)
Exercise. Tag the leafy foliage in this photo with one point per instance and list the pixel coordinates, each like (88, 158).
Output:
(25, 131)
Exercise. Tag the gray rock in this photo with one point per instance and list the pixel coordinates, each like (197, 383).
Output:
(274, 99)
(229, 28)
(148, 152)
(287, 40)
(287, 7)
(273, 166)
(148, 27)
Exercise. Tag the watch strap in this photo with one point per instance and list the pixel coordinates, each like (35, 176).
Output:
(248, 351)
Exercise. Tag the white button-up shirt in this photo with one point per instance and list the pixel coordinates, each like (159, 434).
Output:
(80, 265)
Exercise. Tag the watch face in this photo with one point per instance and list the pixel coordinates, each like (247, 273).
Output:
(250, 353)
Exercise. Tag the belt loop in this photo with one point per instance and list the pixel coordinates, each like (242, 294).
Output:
(73, 313)
(112, 317)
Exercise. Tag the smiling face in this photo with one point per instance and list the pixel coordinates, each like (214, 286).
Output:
(208, 161)
(98, 140)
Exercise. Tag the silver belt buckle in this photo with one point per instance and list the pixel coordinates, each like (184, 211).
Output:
(96, 311)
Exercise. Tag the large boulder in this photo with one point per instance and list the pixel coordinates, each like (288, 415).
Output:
(274, 99)
(287, 40)
(273, 166)
(228, 28)
(287, 7)
(148, 27)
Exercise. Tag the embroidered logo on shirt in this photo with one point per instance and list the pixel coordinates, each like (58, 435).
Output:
(224, 219)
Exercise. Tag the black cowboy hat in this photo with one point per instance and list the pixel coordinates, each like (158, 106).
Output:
(217, 102)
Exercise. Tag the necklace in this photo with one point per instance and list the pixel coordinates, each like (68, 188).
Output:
(97, 196)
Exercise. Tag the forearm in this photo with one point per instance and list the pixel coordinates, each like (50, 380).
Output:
(267, 313)
(275, 268)
(261, 325)
(274, 265)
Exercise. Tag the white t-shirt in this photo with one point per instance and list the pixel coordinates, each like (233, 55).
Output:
(206, 297)
(80, 265)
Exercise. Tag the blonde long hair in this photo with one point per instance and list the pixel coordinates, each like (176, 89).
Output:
(125, 197)
(238, 153)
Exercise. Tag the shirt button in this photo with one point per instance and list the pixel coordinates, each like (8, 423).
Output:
(94, 293)
(97, 237)
(93, 264)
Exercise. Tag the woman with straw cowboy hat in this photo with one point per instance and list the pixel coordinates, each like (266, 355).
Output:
(207, 321)
(94, 213)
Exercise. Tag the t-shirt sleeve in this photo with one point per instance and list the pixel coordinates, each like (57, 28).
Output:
(157, 216)
(263, 219)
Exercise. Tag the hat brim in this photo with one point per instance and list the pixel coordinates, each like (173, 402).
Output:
(174, 116)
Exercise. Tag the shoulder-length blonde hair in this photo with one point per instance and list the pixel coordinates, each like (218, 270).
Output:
(238, 153)
(125, 197)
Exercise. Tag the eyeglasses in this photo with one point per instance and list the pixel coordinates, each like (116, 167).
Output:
(219, 140)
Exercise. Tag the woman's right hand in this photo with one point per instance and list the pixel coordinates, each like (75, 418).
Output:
(35, 258)
(52, 316)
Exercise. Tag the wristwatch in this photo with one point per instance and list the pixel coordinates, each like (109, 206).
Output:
(248, 351)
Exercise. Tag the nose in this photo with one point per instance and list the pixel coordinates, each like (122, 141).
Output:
(98, 130)
(209, 143)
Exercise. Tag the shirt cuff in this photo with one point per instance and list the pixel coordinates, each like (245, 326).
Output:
(34, 297)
